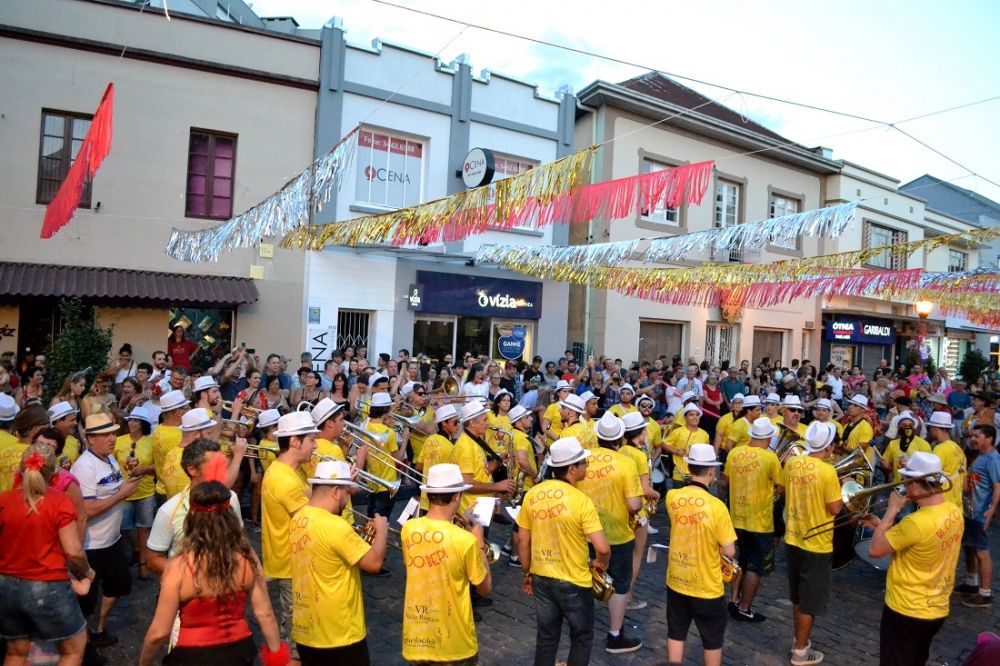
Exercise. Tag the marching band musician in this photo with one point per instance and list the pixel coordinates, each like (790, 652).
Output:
(823, 412)
(701, 532)
(527, 462)
(625, 395)
(857, 431)
(726, 421)
(264, 429)
(680, 441)
(380, 424)
(571, 409)
(739, 432)
(442, 560)
(439, 447)
(414, 395)
(167, 436)
(636, 448)
(552, 424)
(813, 497)
(498, 421)
(612, 483)
(903, 443)
(687, 398)
(752, 471)
(654, 433)
(555, 523)
(771, 404)
(590, 410)
(282, 494)
(471, 456)
(953, 460)
(328, 620)
(791, 415)
(329, 418)
(924, 547)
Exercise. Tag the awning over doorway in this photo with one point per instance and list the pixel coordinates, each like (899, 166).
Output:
(118, 284)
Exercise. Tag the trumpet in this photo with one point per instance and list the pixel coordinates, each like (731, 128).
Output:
(730, 569)
(366, 531)
(601, 583)
(249, 412)
(857, 500)
(258, 450)
(375, 442)
(490, 550)
(370, 479)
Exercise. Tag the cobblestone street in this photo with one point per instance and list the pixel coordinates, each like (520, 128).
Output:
(848, 635)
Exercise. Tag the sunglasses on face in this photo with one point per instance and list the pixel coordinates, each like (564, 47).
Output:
(793, 410)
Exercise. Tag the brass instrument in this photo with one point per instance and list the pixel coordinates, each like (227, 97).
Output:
(601, 583)
(490, 550)
(248, 412)
(670, 428)
(450, 391)
(730, 569)
(304, 406)
(788, 444)
(258, 450)
(366, 531)
(858, 504)
(370, 479)
(374, 443)
(856, 464)
(515, 472)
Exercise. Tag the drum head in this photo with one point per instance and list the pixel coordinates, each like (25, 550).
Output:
(657, 477)
(880, 563)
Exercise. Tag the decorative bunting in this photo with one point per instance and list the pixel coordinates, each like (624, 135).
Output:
(288, 208)
(95, 147)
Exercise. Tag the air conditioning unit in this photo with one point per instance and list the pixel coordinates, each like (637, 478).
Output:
(810, 324)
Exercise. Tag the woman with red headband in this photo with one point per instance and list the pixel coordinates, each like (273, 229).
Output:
(208, 583)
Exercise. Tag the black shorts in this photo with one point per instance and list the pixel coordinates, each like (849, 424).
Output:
(355, 654)
(620, 566)
(709, 616)
(113, 578)
(240, 653)
(778, 514)
(905, 640)
(809, 579)
(756, 552)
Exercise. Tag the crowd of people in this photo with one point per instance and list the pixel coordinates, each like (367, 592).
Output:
(174, 466)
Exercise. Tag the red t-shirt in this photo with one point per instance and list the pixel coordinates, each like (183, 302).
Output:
(31, 547)
(180, 352)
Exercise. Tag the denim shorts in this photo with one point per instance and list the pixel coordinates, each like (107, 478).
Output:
(40, 610)
(975, 536)
(139, 513)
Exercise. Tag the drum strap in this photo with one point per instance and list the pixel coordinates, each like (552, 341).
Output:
(848, 428)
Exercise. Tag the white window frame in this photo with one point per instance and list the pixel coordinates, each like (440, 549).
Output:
(531, 224)
(723, 209)
(779, 206)
(669, 217)
(885, 260)
(958, 261)
(362, 162)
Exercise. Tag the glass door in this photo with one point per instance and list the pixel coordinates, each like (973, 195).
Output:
(512, 335)
(434, 337)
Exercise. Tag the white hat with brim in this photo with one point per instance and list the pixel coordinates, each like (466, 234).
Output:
(739, 397)
(563, 385)
(409, 387)
(633, 421)
(859, 401)
(751, 401)
(792, 401)
(819, 435)
(627, 387)
(376, 378)
(566, 451)
(8, 408)
(691, 408)
(587, 396)
(172, 400)
(333, 473)
(574, 403)
(446, 412)
(381, 400)
(444, 478)
(893, 430)
(823, 403)
(517, 413)
(645, 398)
(921, 463)
(140, 413)
(501, 393)
(688, 395)
(204, 383)
(773, 399)
(61, 410)
(296, 424)
(473, 409)
(609, 427)
(702, 455)
(268, 418)
(941, 420)
(197, 419)
(762, 428)
(323, 410)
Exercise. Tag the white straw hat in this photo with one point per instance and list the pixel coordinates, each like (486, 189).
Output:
(626, 387)
(446, 412)
(819, 435)
(324, 410)
(644, 398)
(773, 399)
(8, 408)
(824, 403)
(633, 421)
(587, 396)
(793, 401)
(140, 413)
(61, 410)
(268, 418)
(566, 451)
(172, 400)
(294, 424)
(751, 401)
(691, 408)
(473, 409)
(517, 413)
(921, 463)
(444, 478)
(205, 382)
(381, 400)
(941, 420)
(563, 385)
(703, 455)
(332, 473)
(574, 403)
(762, 428)
(859, 400)
(197, 419)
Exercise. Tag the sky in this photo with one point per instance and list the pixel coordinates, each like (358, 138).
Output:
(887, 61)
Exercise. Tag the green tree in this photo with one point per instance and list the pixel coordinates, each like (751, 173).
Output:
(972, 366)
(81, 345)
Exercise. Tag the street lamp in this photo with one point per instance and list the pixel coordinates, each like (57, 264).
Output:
(924, 308)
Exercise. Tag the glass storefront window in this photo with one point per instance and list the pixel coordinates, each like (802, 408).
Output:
(434, 337)
(505, 328)
(211, 330)
(473, 336)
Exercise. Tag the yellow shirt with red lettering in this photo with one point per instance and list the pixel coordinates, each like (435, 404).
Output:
(611, 479)
(307, 470)
(753, 472)
(282, 493)
(810, 484)
(921, 575)
(471, 459)
(559, 518)
(327, 609)
(441, 559)
(174, 479)
(391, 445)
(10, 459)
(164, 438)
(682, 438)
(436, 450)
(584, 433)
(554, 418)
(699, 527)
(953, 463)
(737, 434)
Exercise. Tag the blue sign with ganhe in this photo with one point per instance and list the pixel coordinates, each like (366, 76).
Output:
(476, 296)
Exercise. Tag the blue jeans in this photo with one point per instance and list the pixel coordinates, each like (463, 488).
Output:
(38, 609)
(556, 600)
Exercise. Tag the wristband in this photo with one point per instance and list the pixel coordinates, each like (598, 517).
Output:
(280, 657)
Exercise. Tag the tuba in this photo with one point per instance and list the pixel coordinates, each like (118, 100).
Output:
(787, 445)
(730, 569)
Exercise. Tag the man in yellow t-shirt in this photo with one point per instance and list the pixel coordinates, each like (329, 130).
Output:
(924, 547)
(823, 412)
(552, 424)
(739, 432)
(442, 560)
(330, 418)
(167, 436)
(654, 433)
(679, 442)
(634, 446)
(381, 425)
(195, 424)
(282, 494)
(62, 417)
(771, 404)
(415, 396)
(470, 455)
(752, 471)
(813, 497)
(327, 556)
(625, 394)
(904, 442)
(555, 523)
(11, 449)
(701, 533)
(612, 483)
(858, 431)
(439, 447)
(571, 410)
(725, 422)
(953, 460)
(687, 398)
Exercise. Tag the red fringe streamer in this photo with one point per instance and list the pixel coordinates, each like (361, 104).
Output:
(95, 147)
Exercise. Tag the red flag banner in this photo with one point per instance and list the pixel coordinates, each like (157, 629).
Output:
(95, 147)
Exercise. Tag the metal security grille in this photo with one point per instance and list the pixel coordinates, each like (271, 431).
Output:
(352, 328)
(719, 339)
(877, 236)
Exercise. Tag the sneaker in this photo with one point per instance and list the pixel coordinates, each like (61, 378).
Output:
(621, 643)
(652, 530)
(967, 588)
(810, 657)
(748, 615)
(101, 639)
(514, 561)
(978, 600)
(636, 605)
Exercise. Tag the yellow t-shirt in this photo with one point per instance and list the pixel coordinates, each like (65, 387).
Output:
(654, 434)
(441, 559)
(523, 443)
(496, 440)
(174, 478)
(753, 472)
(72, 451)
(722, 427)
(699, 526)
(417, 438)
(953, 463)
(377, 467)
(682, 439)
(737, 434)
(584, 433)
(897, 459)
(620, 410)
(282, 493)
(554, 418)
(559, 518)
(922, 573)
(612, 478)
(366, 401)
(776, 419)
(327, 610)
(641, 461)
(436, 450)
(862, 433)
(471, 459)
(10, 459)
(306, 471)
(810, 484)
(144, 454)
(164, 438)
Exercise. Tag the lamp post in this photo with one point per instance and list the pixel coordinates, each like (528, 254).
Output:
(923, 308)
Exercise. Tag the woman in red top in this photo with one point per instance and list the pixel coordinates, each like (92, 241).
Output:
(39, 536)
(180, 350)
(208, 582)
(711, 405)
(254, 395)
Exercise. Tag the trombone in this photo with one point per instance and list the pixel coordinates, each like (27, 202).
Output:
(412, 419)
(366, 531)
(374, 443)
(857, 500)
(370, 479)
(248, 412)
(258, 450)
(451, 391)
